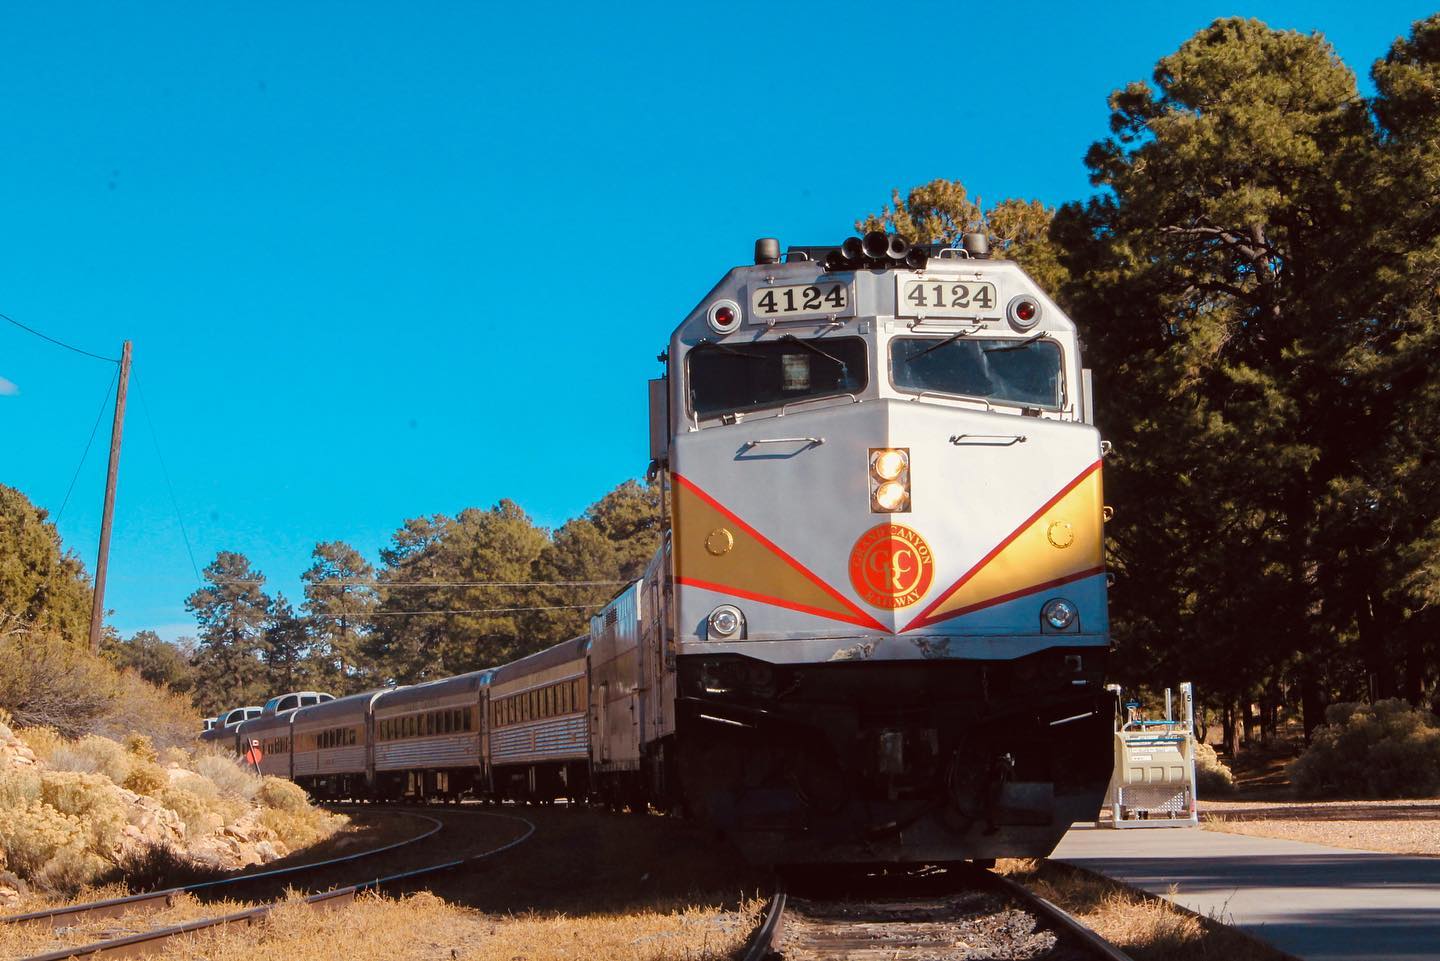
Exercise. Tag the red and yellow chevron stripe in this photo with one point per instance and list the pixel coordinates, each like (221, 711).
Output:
(1060, 542)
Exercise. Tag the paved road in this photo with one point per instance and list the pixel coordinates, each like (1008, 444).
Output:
(1315, 902)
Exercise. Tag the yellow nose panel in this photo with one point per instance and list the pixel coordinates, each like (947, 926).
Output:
(717, 551)
(1060, 542)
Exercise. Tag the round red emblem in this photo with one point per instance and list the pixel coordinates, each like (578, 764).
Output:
(891, 566)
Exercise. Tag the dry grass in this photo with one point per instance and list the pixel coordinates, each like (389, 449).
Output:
(589, 885)
(423, 926)
(419, 926)
(1145, 927)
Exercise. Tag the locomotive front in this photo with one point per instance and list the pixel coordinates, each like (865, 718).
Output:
(889, 604)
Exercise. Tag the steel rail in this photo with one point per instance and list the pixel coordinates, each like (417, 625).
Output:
(154, 900)
(148, 942)
(1060, 919)
(762, 942)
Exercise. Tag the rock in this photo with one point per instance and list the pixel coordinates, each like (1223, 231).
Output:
(266, 852)
(12, 889)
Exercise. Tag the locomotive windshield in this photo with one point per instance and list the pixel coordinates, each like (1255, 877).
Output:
(1024, 372)
(726, 378)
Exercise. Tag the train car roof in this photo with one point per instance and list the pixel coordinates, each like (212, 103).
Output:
(460, 684)
(340, 707)
(262, 725)
(569, 650)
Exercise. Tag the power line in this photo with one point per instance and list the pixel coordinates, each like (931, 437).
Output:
(165, 473)
(481, 610)
(58, 343)
(104, 404)
(392, 585)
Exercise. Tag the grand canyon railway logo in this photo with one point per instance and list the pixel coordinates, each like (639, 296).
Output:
(891, 566)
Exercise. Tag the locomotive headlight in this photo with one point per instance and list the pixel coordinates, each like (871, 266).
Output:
(888, 464)
(724, 621)
(889, 479)
(890, 496)
(1059, 614)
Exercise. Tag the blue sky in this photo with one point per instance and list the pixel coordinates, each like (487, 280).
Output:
(386, 260)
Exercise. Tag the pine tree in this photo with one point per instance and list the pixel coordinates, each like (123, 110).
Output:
(340, 600)
(231, 610)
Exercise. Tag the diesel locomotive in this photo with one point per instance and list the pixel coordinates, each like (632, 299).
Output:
(876, 627)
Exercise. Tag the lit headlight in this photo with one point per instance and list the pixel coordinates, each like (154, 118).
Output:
(1059, 614)
(724, 620)
(890, 496)
(889, 464)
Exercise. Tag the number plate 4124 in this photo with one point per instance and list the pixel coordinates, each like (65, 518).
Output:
(934, 298)
(825, 299)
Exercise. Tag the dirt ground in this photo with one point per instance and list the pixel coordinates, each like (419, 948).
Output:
(1263, 805)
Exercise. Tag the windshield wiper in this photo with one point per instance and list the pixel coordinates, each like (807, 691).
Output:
(727, 349)
(944, 343)
(844, 368)
(1020, 346)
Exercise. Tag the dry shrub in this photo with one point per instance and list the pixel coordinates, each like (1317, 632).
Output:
(200, 818)
(140, 746)
(146, 777)
(1385, 749)
(290, 816)
(19, 787)
(177, 756)
(230, 779)
(300, 829)
(1212, 775)
(93, 799)
(167, 718)
(93, 754)
(48, 848)
(281, 795)
(46, 681)
(43, 741)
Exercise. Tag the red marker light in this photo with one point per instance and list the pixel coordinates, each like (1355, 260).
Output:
(724, 316)
(1025, 310)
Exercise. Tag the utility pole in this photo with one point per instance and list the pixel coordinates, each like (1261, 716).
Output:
(97, 607)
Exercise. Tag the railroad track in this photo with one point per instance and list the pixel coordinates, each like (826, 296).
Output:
(940, 914)
(149, 942)
(156, 900)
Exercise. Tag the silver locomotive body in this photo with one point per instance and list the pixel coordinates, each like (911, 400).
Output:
(887, 604)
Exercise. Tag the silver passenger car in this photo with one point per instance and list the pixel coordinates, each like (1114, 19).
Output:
(332, 743)
(272, 735)
(539, 743)
(427, 738)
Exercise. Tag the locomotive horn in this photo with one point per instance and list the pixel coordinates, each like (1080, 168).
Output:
(899, 247)
(977, 245)
(916, 259)
(852, 249)
(875, 245)
(834, 260)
